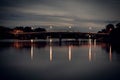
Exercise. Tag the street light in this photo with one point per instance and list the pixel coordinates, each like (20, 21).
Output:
(90, 28)
(50, 33)
(51, 27)
(70, 28)
(32, 28)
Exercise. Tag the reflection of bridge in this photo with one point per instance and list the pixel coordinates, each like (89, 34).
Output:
(90, 47)
(58, 35)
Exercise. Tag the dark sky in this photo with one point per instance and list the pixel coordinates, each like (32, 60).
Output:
(81, 13)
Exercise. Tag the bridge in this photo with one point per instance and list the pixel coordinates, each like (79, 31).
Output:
(58, 35)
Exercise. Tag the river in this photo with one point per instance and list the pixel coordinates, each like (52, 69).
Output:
(54, 60)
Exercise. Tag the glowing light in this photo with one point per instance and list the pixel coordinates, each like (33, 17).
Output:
(50, 27)
(50, 40)
(70, 54)
(17, 45)
(32, 40)
(94, 42)
(70, 27)
(110, 53)
(32, 28)
(90, 28)
(32, 51)
(90, 50)
(51, 54)
(17, 31)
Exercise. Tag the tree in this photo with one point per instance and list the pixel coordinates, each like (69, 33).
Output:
(27, 29)
(114, 34)
(109, 28)
(4, 29)
(118, 25)
(5, 33)
(19, 28)
(39, 29)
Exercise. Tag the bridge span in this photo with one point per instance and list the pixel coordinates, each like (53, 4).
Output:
(58, 35)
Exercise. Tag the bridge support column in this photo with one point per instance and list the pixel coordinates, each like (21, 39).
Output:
(60, 39)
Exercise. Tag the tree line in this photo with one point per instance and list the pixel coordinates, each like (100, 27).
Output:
(114, 33)
(5, 31)
(113, 30)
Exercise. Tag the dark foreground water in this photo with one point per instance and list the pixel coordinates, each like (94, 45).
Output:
(52, 60)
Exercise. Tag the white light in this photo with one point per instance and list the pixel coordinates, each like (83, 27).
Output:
(90, 50)
(51, 54)
(110, 53)
(70, 27)
(50, 27)
(70, 54)
(90, 28)
(32, 28)
(32, 40)
(32, 50)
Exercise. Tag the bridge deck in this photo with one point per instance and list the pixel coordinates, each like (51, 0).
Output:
(75, 35)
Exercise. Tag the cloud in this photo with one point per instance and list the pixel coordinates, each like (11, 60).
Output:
(81, 13)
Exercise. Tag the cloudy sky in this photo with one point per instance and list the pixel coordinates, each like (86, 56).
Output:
(76, 13)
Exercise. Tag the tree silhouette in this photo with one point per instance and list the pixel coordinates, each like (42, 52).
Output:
(109, 28)
(27, 29)
(118, 25)
(5, 32)
(4, 29)
(114, 34)
(39, 30)
(19, 28)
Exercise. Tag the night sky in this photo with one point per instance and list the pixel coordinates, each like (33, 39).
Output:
(80, 13)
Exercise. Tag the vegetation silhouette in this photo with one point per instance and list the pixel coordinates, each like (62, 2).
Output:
(113, 30)
(114, 35)
(5, 32)
(109, 28)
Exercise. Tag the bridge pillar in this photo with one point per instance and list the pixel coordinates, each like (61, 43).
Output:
(60, 39)
(77, 38)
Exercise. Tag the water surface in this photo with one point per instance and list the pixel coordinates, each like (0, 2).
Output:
(54, 60)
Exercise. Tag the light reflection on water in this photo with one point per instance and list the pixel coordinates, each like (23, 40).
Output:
(70, 54)
(70, 50)
(51, 60)
(110, 53)
(90, 49)
(51, 54)
(32, 50)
